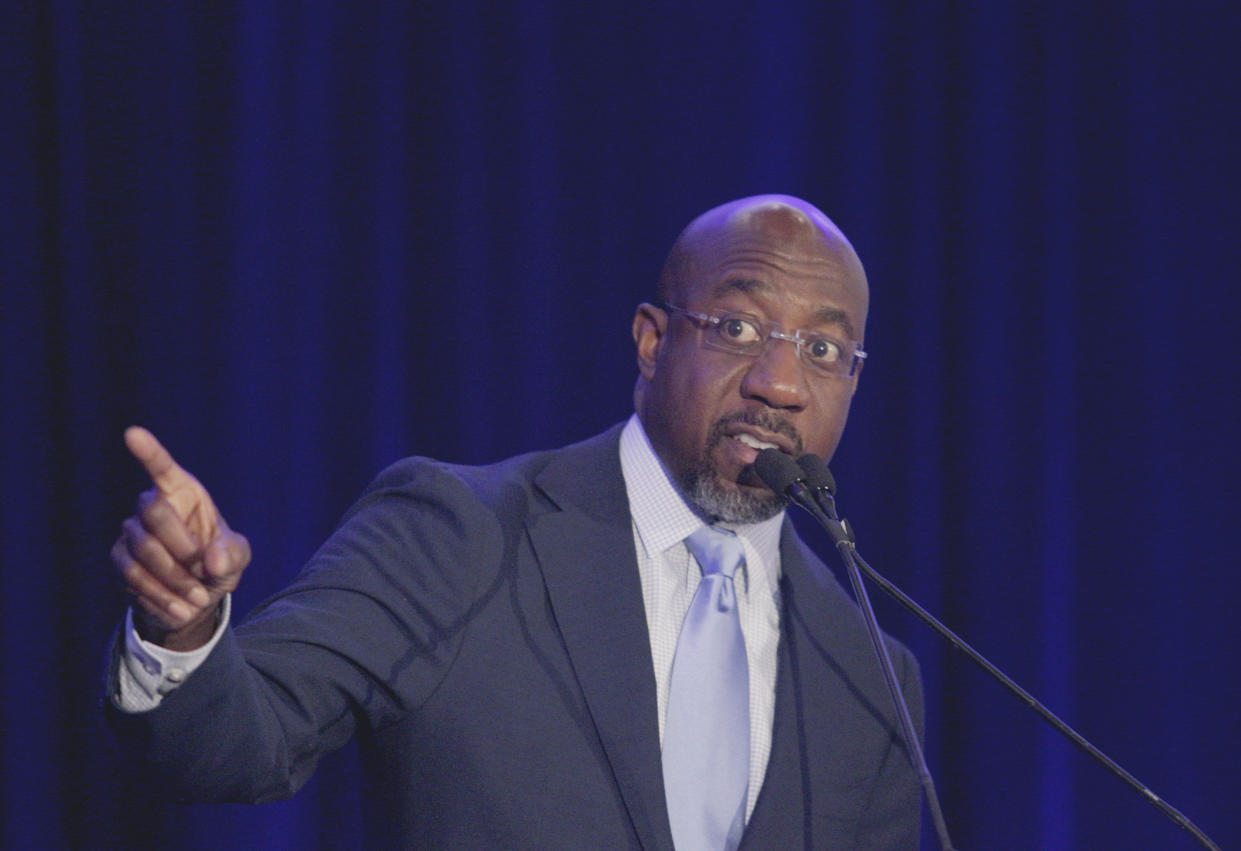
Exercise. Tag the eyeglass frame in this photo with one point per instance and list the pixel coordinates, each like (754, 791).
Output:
(768, 331)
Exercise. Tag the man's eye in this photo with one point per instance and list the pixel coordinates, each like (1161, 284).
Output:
(822, 350)
(739, 331)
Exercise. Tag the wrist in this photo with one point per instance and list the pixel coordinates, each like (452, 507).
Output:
(189, 637)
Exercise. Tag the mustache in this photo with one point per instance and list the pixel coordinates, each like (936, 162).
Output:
(766, 420)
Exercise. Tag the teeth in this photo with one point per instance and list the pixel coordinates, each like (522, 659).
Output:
(755, 443)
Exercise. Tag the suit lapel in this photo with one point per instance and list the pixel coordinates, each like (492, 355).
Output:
(586, 552)
(783, 814)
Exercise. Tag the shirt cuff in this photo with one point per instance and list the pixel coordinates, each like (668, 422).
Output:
(147, 671)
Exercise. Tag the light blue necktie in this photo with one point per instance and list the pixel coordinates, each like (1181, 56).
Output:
(706, 751)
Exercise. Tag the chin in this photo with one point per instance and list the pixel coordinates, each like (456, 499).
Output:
(730, 502)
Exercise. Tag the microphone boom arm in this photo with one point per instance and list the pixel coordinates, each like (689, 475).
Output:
(822, 486)
(783, 476)
(843, 538)
(1062, 727)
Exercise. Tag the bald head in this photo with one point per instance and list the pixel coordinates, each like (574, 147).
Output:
(779, 264)
(785, 226)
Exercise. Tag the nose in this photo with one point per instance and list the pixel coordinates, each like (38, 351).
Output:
(777, 378)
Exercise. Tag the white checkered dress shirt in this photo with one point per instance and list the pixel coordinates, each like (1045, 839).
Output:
(670, 576)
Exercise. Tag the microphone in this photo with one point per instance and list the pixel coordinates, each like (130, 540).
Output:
(779, 472)
(802, 483)
(810, 484)
(817, 474)
(823, 485)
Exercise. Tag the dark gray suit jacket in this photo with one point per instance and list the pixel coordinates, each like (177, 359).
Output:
(482, 631)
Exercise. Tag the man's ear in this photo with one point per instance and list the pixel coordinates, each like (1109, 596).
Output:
(649, 325)
(857, 376)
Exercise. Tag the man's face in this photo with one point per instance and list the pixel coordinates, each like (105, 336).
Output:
(704, 409)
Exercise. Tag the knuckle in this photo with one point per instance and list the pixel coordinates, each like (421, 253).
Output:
(238, 551)
(133, 573)
(131, 527)
(146, 498)
(155, 511)
(147, 550)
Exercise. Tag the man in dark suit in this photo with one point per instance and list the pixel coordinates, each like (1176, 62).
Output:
(506, 641)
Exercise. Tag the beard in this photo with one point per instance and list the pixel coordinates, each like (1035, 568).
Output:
(727, 501)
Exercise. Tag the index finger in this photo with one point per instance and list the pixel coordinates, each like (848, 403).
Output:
(165, 473)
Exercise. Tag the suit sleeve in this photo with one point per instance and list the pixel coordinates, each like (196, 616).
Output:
(361, 637)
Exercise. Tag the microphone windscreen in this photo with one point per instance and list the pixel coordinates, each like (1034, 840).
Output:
(818, 476)
(777, 470)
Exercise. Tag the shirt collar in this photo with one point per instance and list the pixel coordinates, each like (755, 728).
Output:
(661, 515)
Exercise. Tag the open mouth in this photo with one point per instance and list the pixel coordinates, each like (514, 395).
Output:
(753, 442)
(755, 436)
(738, 440)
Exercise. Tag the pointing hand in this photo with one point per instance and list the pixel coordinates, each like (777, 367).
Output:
(176, 555)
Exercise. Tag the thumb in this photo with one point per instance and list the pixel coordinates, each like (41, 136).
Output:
(226, 557)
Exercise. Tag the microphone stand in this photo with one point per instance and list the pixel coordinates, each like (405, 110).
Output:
(822, 487)
(789, 476)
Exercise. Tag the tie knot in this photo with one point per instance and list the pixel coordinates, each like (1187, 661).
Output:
(717, 550)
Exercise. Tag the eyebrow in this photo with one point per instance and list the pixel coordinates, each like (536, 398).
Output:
(834, 316)
(823, 315)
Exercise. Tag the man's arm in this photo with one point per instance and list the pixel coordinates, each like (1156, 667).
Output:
(367, 631)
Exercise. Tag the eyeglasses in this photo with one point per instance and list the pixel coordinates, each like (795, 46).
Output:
(747, 335)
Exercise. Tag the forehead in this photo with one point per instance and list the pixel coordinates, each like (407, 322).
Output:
(780, 259)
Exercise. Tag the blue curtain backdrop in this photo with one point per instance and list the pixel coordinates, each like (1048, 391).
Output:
(300, 241)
